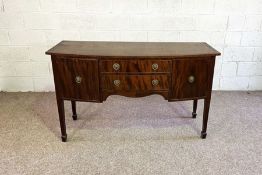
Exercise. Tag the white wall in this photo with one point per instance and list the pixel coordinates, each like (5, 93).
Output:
(29, 27)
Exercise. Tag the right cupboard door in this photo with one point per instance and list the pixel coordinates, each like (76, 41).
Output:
(190, 78)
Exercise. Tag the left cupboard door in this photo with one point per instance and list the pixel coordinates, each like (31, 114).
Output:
(76, 78)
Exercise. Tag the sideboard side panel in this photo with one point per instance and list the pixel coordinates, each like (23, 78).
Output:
(211, 69)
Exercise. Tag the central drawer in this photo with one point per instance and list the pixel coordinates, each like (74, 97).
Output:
(145, 66)
(119, 82)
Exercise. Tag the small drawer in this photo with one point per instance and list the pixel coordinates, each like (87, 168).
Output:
(135, 82)
(135, 66)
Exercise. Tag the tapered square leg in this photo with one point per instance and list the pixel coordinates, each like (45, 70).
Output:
(205, 118)
(194, 114)
(61, 112)
(64, 138)
(74, 116)
(203, 135)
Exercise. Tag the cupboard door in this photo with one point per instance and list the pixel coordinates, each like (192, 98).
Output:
(76, 78)
(190, 78)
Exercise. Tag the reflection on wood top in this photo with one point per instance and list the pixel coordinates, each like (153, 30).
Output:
(132, 49)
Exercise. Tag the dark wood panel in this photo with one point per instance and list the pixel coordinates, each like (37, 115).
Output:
(66, 72)
(135, 82)
(188, 70)
(132, 49)
(129, 66)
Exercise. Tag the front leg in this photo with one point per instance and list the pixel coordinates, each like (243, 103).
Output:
(74, 110)
(205, 117)
(194, 114)
(61, 112)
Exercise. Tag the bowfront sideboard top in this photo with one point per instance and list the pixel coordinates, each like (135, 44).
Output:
(132, 49)
(91, 71)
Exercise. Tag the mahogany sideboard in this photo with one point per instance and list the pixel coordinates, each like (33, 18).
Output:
(91, 71)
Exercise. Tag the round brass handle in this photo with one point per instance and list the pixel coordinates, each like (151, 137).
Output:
(116, 82)
(155, 82)
(116, 66)
(155, 66)
(78, 79)
(191, 79)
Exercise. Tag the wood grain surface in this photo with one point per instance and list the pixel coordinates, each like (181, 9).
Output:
(182, 70)
(65, 73)
(135, 82)
(105, 50)
(135, 66)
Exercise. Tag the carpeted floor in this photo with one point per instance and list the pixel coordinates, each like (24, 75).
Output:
(131, 136)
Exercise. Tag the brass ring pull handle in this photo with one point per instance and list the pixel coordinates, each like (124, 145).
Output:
(116, 82)
(155, 82)
(155, 66)
(116, 66)
(78, 79)
(191, 79)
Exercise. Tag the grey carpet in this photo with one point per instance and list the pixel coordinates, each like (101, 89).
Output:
(131, 136)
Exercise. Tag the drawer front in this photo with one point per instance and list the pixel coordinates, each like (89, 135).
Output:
(77, 78)
(135, 66)
(135, 82)
(189, 78)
